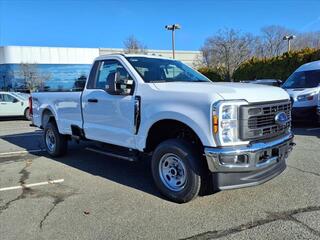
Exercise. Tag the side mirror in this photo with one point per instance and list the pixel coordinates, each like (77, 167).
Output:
(15, 100)
(117, 86)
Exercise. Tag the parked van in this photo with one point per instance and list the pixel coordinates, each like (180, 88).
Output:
(303, 86)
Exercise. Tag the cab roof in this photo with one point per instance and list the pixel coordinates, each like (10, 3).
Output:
(309, 66)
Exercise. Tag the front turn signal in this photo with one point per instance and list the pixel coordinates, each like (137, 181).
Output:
(215, 124)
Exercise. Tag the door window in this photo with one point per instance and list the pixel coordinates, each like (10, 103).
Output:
(107, 71)
(7, 98)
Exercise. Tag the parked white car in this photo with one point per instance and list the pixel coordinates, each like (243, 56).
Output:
(13, 104)
(303, 88)
(199, 133)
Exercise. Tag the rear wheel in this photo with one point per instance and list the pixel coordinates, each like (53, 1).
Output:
(176, 170)
(56, 144)
(27, 114)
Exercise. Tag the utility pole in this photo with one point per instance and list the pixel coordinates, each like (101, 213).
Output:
(289, 38)
(172, 28)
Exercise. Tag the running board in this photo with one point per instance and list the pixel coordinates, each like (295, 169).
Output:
(132, 158)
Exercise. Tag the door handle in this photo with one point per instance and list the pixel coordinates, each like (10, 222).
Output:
(92, 100)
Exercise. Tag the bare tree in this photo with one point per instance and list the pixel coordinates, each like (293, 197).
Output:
(33, 78)
(6, 80)
(306, 40)
(132, 45)
(272, 43)
(227, 50)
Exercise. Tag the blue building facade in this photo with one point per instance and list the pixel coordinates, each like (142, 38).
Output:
(25, 68)
(57, 77)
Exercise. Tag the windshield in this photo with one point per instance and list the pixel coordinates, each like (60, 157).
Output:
(306, 79)
(165, 70)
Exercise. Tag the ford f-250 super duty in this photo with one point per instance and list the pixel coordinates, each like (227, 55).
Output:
(199, 133)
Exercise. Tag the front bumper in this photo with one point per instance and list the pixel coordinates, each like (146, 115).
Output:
(264, 161)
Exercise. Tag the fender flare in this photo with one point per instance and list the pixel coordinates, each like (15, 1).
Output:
(145, 128)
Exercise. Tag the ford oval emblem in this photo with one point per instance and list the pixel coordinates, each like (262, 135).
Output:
(281, 118)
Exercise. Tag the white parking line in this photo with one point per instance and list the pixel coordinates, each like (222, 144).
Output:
(21, 152)
(32, 185)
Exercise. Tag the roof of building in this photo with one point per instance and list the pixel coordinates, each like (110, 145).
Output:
(67, 55)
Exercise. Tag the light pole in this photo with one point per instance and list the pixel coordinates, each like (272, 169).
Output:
(172, 28)
(289, 38)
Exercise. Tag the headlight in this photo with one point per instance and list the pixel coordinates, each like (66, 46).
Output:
(229, 123)
(306, 97)
(225, 121)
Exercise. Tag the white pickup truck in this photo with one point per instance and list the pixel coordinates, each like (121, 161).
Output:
(199, 133)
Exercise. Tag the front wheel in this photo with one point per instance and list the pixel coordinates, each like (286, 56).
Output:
(56, 144)
(176, 170)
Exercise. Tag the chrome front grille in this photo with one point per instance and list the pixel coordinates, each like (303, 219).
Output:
(258, 121)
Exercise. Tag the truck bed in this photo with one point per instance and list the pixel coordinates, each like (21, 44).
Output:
(65, 106)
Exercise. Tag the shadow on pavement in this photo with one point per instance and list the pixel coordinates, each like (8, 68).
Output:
(13, 118)
(306, 129)
(132, 174)
(28, 141)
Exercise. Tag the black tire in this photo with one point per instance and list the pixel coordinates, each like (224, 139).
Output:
(188, 155)
(60, 141)
(27, 114)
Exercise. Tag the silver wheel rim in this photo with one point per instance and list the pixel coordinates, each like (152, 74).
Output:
(50, 140)
(172, 172)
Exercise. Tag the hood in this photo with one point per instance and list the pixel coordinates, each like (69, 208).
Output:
(295, 92)
(252, 93)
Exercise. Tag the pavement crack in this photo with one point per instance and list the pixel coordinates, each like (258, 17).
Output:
(24, 176)
(59, 194)
(7, 205)
(272, 217)
(310, 229)
(304, 171)
(56, 201)
(25, 173)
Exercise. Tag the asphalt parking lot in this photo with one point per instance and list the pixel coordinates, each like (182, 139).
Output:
(96, 197)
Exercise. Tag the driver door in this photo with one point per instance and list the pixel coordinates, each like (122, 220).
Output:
(108, 117)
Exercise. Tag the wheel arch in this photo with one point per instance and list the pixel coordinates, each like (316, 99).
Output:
(170, 128)
(46, 117)
(199, 124)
